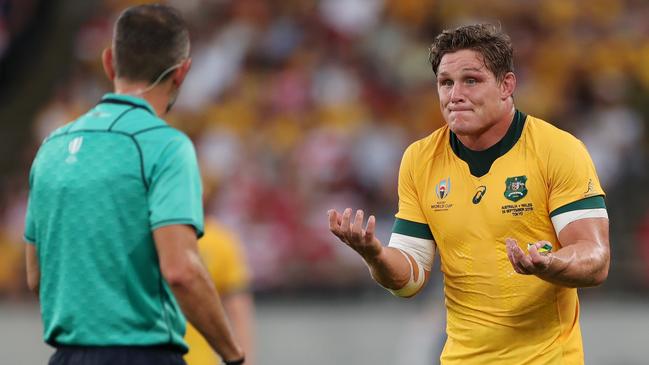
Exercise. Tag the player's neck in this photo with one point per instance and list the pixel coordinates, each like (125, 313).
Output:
(490, 136)
(157, 97)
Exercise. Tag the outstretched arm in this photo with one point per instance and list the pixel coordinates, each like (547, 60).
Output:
(582, 261)
(390, 267)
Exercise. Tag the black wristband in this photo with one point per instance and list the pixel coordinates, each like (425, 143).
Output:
(235, 362)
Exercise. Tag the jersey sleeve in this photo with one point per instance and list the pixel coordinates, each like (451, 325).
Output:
(409, 207)
(175, 192)
(571, 174)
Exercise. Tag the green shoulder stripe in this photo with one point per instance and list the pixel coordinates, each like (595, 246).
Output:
(412, 229)
(593, 202)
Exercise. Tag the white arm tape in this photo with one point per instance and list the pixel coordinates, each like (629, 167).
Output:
(422, 252)
(560, 221)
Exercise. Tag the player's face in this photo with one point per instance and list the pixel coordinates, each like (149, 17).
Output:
(470, 97)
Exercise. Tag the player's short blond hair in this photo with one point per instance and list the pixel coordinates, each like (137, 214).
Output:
(490, 41)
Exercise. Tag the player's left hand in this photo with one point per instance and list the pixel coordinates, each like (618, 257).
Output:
(533, 264)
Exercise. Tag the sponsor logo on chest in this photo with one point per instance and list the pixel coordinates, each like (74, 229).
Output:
(516, 189)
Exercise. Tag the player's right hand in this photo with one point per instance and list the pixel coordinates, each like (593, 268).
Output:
(351, 233)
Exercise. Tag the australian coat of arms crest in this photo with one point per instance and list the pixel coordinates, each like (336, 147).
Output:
(516, 188)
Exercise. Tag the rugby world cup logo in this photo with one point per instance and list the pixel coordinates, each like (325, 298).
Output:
(73, 148)
(443, 189)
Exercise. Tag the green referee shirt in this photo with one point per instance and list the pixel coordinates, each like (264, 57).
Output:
(99, 186)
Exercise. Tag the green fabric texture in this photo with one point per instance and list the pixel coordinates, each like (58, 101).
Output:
(98, 187)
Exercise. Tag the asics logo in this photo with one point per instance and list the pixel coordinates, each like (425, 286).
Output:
(482, 190)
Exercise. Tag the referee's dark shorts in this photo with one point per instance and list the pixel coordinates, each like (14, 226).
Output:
(117, 355)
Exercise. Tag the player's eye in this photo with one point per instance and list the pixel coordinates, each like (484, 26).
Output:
(446, 82)
(471, 81)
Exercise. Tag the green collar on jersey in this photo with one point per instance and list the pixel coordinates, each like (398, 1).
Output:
(124, 99)
(480, 161)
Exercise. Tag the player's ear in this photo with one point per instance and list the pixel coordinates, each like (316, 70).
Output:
(181, 72)
(107, 61)
(507, 85)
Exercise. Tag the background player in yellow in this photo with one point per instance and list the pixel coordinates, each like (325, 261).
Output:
(480, 191)
(224, 258)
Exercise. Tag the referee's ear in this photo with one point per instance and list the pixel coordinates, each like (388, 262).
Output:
(107, 61)
(181, 72)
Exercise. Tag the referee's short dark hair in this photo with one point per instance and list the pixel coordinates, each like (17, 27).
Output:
(147, 40)
(490, 41)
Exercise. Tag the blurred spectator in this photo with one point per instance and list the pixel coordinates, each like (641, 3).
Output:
(224, 258)
(298, 104)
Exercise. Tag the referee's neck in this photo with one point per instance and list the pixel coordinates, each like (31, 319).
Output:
(157, 97)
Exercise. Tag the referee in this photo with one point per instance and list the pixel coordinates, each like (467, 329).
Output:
(115, 211)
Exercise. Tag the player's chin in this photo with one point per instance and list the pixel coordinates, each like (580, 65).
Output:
(461, 126)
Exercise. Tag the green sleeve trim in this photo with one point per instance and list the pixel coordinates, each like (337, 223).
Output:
(412, 229)
(29, 239)
(593, 202)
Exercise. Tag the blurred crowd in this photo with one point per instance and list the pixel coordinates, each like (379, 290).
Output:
(298, 106)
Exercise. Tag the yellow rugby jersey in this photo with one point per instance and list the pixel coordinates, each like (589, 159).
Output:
(494, 315)
(223, 255)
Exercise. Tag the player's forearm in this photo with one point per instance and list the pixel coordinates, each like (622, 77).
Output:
(582, 264)
(389, 268)
(202, 306)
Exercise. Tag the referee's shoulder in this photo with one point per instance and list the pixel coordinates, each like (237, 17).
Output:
(141, 125)
(154, 134)
(60, 131)
(139, 121)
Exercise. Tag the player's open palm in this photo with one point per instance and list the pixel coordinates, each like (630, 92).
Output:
(533, 263)
(352, 233)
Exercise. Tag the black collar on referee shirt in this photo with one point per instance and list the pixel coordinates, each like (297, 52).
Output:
(117, 100)
(480, 161)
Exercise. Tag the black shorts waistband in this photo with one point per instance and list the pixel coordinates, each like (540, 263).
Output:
(144, 348)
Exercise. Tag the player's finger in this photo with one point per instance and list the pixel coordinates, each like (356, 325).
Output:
(521, 261)
(540, 261)
(334, 223)
(510, 245)
(369, 230)
(510, 256)
(357, 227)
(333, 219)
(524, 262)
(533, 249)
(512, 260)
(344, 223)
